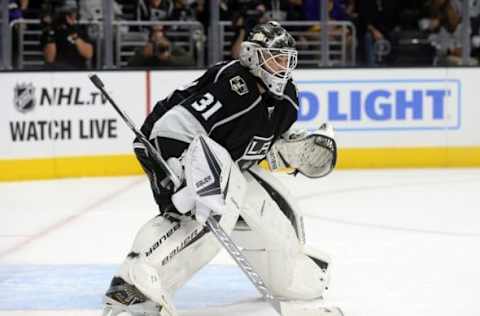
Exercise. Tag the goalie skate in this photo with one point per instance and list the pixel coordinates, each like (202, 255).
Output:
(124, 299)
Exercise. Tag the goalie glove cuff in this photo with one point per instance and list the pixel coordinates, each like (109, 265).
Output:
(275, 159)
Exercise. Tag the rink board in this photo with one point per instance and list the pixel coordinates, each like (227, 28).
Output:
(57, 124)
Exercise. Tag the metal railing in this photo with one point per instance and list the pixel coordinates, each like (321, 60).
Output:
(341, 44)
(340, 49)
(30, 52)
(5, 40)
(187, 35)
(131, 35)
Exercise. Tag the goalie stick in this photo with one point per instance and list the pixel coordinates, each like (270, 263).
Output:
(211, 222)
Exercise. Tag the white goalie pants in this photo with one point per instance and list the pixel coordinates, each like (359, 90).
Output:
(166, 253)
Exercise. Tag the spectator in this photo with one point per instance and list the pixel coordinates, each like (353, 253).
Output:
(248, 14)
(409, 43)
(65, 44)
(411, 12)
(92, 10)
(377, 19)
(474, 7)
(50, 8)
(16, 8)
(337, 10)
(475, 25)
(202, 10)
(160, 52)
(155, 10)
(183, 11)
(446, 23)
(33, 10)
(283, 10)
(294, 10)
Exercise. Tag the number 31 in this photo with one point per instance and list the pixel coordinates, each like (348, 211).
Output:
(206, 102)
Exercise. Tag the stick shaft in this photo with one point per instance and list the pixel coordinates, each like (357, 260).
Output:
(141, 137)
(242, 262)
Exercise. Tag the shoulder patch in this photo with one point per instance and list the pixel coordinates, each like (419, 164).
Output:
(239, 85)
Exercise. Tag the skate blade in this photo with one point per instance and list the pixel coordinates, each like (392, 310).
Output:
(113, 308)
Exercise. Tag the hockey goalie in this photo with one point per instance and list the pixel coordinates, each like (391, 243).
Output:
(212, 134)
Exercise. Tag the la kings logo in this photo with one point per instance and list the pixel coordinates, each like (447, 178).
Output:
(24, 97)
(239, 85)
(256, 150)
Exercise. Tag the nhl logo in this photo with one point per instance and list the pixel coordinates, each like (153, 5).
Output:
(24, 97)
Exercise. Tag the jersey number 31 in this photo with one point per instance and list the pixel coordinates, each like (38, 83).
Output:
(207, 105)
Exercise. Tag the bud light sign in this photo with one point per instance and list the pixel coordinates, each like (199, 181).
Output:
(369, 105)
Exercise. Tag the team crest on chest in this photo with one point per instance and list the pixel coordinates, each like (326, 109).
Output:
(239, 85)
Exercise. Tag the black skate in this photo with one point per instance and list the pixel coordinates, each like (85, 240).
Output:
(124, 298)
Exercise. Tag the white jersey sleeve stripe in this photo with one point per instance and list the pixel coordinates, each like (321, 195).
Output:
(223, 68)
(232, 117)
(138, 145)
(179, 124)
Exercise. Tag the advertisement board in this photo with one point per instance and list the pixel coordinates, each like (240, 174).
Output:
(383, 117)
(62, 115)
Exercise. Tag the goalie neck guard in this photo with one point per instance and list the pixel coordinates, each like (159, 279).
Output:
(270, 54)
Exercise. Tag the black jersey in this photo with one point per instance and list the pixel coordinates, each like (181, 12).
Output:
(224, 103)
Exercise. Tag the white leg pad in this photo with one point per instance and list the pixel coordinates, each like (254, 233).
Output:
(148, 281)
(274, 249)
(166, 253)
(322, 260)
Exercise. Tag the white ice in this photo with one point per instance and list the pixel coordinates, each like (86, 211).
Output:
(404, 242)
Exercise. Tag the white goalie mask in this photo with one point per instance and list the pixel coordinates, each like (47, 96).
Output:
(270, 55)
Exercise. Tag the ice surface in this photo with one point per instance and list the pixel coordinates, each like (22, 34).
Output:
(404, 242)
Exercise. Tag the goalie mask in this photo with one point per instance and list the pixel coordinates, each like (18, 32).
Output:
(270, 55)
